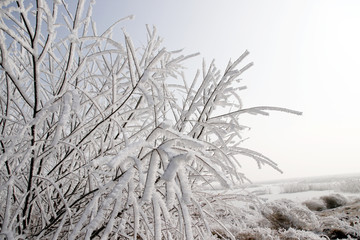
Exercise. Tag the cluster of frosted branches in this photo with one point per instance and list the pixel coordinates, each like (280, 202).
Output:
(95, 142)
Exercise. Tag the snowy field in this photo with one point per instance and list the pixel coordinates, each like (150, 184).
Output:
(302, 189)
(309, 208)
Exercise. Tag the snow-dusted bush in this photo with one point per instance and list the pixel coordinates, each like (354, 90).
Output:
(98, 142)
(315, 204)
(285, 214)
(339, 223)
(334, 200)
(336, 228)
(326, 202)
(295, 234)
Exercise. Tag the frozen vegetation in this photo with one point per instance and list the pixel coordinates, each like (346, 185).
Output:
(102, 139)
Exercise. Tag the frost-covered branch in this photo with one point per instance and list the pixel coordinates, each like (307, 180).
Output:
(104, 139)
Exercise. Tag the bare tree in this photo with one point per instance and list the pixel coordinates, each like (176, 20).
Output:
(95, 142)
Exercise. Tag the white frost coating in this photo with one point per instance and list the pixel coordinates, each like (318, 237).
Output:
(87, 19)
(75, 101)
(151, 177)
(110, 225)
(51, 19)
(187, 220)
(57, 233)
(185, 186)
(115, 194)
(8, 67)
(164, 156)
(93, 26)
(4, 3)
(42, 115)
(167, 124)
(148, 97)
(73, 38)
(139, 166)
(6, 219)
(63, 118)
(258, 110)
(136, 216)
(163, 133)
(86, 213)
(8, 234)
(175, 163)
(167, 217)
(157, 218)
(101, 161)
(53, 106)
(79, 11)
(154, 135)
(170, 194)
(190, 143)
(182, 139)
(67, 102)
(145, 77)
(16, 37)
(216, 170)
(130, 151)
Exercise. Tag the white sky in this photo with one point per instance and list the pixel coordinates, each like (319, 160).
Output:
(307, 58)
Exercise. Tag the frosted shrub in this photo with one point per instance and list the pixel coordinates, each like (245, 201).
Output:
(335, 228)
(96, 142)
(257, 233)
(315, 205)
(294, 234)
(334, 200)
(285, 214)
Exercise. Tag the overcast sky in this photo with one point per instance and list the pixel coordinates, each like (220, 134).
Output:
(307, 58)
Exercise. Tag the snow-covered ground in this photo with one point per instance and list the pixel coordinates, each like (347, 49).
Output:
(309, 208)
(303, 189)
